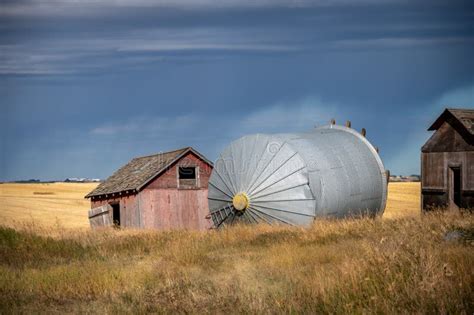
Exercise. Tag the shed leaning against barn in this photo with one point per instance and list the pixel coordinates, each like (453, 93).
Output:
(161, 191)
(447, 161)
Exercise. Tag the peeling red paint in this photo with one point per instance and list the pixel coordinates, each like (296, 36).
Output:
(163, 205)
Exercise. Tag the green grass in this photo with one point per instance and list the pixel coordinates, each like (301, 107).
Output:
(361, 266)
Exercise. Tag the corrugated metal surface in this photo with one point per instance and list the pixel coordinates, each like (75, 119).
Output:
(294, 178)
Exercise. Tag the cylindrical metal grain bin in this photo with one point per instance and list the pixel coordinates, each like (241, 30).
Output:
(331, 171)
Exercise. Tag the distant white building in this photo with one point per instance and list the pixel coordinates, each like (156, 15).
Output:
(81, 180)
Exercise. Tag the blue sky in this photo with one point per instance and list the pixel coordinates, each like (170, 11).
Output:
(87, 85)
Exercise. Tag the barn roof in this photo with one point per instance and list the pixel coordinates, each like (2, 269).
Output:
(140, 171)
(463, 118)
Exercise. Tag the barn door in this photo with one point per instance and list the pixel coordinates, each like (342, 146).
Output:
(455, 184)
(116, 213)
(100, 216)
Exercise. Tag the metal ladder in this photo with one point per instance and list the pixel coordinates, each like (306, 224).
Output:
(218, 217)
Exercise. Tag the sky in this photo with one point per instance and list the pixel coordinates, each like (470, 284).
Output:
(87, 85)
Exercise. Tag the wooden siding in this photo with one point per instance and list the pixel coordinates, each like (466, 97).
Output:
(166, 205)
(434, 181)
(433, 170)
(163, 204)
(172, 208)
(444, 150)
(169, 179)
(100, 216)
(447, 139)
(129, 211)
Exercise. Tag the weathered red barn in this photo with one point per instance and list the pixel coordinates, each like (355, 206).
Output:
(161, 191)
(447, 161)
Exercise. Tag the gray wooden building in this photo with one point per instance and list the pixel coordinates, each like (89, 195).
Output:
(447, 162)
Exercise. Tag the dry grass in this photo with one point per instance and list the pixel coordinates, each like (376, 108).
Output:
(397, 265)
(361, 266)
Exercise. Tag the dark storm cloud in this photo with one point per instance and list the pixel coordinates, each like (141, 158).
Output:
(53, 37)
(87, 85)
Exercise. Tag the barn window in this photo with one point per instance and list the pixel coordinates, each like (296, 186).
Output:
(187, 173)
(187, 177)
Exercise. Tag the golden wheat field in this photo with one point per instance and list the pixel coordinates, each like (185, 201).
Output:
(63, 204)
(50, 262)
(45, 203)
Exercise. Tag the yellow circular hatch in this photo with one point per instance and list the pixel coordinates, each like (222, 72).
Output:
(240, 201)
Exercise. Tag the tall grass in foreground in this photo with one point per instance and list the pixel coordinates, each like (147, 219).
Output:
(362, 266)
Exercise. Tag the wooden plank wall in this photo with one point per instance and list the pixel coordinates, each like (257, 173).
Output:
(172, 208)
(434, 182)
(433, 171)
(447, 139)
(446, 148)
(436, 166)
(100, 216)
(164, 205)
(129, 211)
